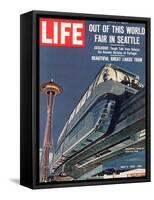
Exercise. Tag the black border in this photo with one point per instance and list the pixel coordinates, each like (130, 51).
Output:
(34, 172)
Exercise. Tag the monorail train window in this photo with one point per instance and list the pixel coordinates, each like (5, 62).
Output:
(73, 134)
(62, 135)
(78, 107)
(90, 90)
(100, 79)
(67, 144)
(95, 82)
(58, 152)
(112, 73)
(83, 99)
(96, 111)
(76, 129)
(71, 116)
(120, 76)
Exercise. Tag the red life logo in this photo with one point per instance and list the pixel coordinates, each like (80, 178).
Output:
(59, 32)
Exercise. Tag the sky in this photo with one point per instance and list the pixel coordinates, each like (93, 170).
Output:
(73, 70)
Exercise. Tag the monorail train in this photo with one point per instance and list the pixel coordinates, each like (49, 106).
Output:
(92, 118)
(128, 131)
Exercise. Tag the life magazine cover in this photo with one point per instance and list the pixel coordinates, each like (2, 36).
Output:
(92, 100)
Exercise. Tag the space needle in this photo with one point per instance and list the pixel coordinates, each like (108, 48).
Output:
(51, 90)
